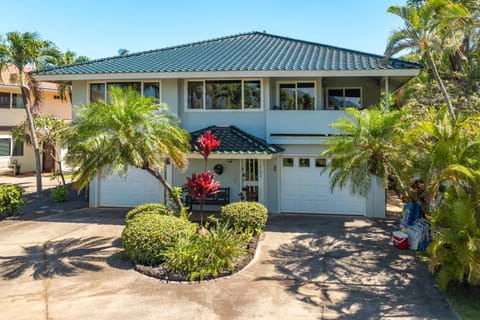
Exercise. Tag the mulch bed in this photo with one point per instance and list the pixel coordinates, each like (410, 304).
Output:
(162, 273)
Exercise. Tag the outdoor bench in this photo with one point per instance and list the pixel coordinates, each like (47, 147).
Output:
(222, 197)
(7, 167)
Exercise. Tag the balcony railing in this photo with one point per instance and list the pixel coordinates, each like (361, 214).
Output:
(300, 124)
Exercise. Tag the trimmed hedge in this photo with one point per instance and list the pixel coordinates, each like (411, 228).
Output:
(245, 215)
(146, 236)
(150, 208)
(11, 198)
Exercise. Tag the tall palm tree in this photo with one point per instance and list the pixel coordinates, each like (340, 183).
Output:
(129, 130)
(22, 50)
(424, 24)
(364, 148)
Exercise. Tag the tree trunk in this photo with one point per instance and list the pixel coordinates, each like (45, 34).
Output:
(53, 152)
(31, 124)
(442, 86)
(154, 172)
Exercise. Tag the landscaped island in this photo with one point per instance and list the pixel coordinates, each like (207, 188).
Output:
(173, 248)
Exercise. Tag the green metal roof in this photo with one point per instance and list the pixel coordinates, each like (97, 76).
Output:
(254, 51)
(236, 141)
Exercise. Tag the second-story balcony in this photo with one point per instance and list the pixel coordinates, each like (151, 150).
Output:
(300, 126)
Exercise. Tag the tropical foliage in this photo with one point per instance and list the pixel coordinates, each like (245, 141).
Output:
(128, 130)
(11, 198)
(49, 131)
(429, 149)
(198, 256)
(444, 35)
(363, 149)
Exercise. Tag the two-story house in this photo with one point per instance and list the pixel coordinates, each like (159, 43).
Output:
(270, 100)
(12, 113)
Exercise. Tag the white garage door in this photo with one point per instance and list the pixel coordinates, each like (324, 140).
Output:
(305, 190)
(138, 188)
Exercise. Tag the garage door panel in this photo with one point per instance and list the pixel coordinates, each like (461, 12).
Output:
(137, 188)
(306, 189)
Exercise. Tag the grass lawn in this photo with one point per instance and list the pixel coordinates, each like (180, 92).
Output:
(466, 301)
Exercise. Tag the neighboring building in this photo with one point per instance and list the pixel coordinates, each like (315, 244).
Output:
(12, 113)
(270, 99)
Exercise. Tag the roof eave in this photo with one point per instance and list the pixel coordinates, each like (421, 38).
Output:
(67, 78)
(233, 156)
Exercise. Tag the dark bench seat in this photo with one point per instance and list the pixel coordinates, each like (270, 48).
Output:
(222, 197)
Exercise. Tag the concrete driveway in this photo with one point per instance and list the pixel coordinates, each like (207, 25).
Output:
(69, 266)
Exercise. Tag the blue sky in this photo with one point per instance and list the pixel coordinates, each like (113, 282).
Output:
(98, 28)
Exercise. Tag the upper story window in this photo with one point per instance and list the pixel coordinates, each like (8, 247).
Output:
(10, 100)
(224, 95)
(297, 96)
(100, 90)
(341, 98)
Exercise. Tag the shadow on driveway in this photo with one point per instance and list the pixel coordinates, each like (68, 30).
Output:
(66, 257)
(348, 268)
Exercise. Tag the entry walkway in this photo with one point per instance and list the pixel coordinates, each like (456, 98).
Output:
(69, 266)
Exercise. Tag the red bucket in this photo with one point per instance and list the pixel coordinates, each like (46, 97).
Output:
(400, 240)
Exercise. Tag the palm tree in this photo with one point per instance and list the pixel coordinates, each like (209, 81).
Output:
(108, 137)
(22, 50)
(424, 24)
(364, 148)
(61, 59)
(443, 151)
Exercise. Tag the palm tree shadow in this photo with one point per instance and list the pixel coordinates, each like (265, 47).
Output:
(353, 272)
(66, 257)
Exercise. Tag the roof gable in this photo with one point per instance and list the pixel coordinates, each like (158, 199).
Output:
(236, 141)
(254, 51)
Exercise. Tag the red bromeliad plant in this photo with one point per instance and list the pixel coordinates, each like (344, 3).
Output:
(202, 185)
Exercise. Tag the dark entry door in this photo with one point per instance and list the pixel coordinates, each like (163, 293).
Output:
(48, 161)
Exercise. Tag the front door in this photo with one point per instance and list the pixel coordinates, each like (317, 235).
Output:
(252, 180)
(48, 161)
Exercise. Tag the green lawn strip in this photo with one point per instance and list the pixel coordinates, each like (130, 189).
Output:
(466, 301)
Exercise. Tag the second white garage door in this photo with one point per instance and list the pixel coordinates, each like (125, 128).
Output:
(138, 188)
(305, 190)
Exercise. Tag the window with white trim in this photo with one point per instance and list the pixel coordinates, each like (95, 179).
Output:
(5, 147)
(296, 96)
(341, 98)
(224, 94)
(99, 90)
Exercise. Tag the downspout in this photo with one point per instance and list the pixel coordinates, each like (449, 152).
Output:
(387, 93)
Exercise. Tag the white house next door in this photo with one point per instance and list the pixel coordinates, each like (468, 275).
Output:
(304, 189)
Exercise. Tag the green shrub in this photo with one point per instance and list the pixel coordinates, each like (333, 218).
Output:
(147, 235)
(150, 208)
(59, 193)
(198, 256)
(11, 198)
(245, 216)
(454, 250)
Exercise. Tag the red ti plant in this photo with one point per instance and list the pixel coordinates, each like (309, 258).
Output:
(202, 185)
(206, 143)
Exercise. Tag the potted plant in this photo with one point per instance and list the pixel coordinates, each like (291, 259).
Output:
(15, 166)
